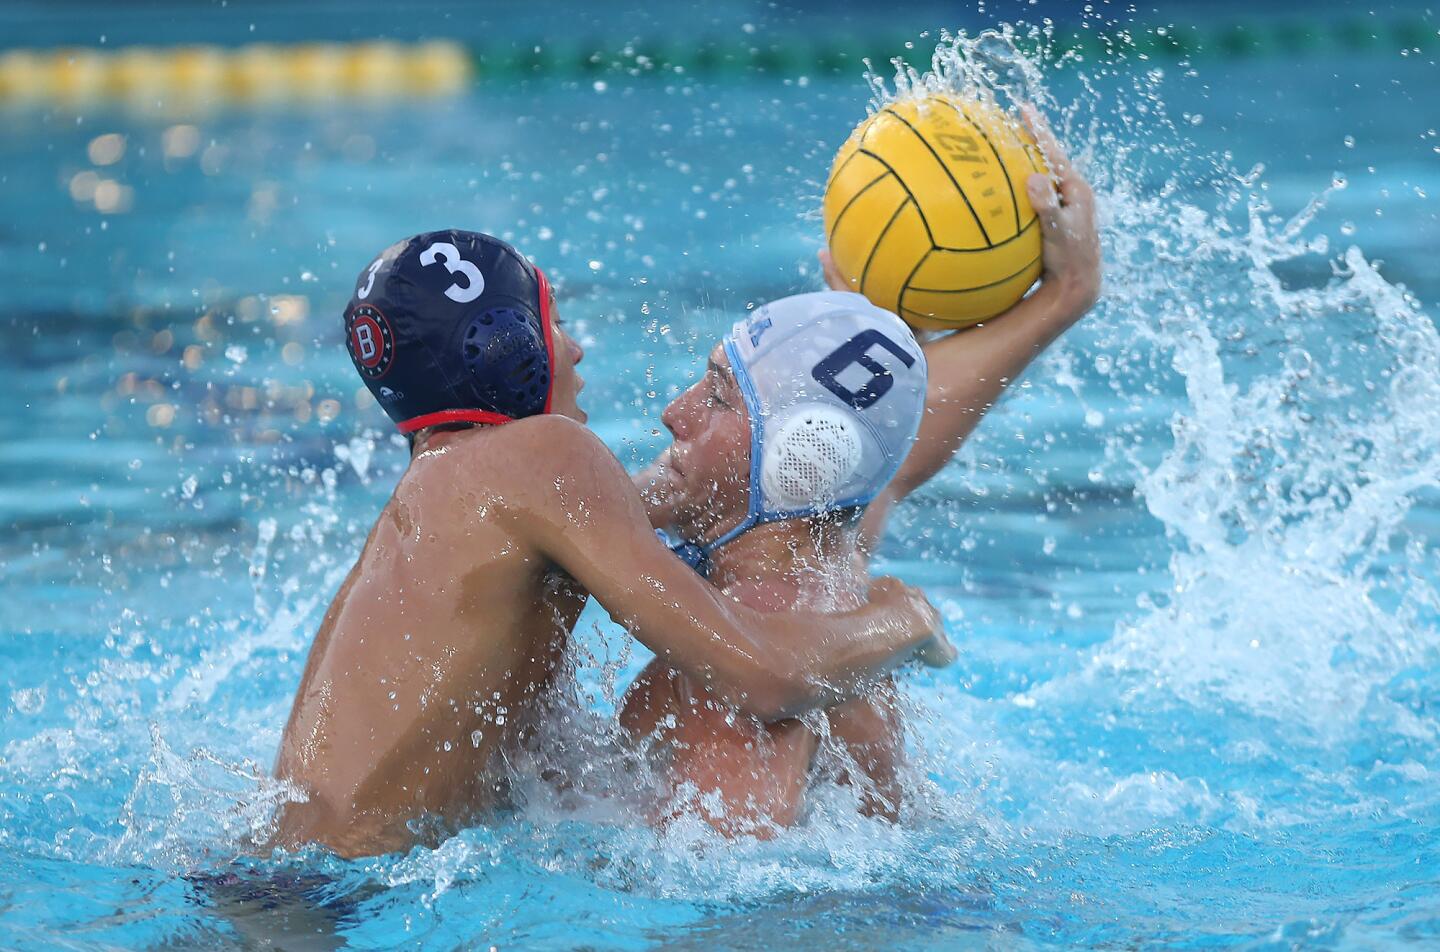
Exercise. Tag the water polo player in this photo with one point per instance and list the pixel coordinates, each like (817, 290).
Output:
(431, 656)
(775, 448)
(803, 416)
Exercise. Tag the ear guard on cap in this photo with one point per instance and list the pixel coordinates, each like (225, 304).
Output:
(505, 354)
(810, 457)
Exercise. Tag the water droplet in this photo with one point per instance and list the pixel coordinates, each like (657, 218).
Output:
(29, 700)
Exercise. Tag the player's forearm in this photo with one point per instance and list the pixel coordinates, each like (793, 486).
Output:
(767, 664)
(971, 369)
(822, 660)
(1000, 350)
(760, 663)
(977, 365)
(778, 665)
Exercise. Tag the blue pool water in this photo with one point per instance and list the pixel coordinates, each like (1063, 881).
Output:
(1190, 562)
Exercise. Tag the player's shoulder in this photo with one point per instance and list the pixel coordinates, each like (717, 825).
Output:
(530, 453)
(532, 465)
(551, 442)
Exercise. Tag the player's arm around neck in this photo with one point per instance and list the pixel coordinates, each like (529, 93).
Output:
(578, 508)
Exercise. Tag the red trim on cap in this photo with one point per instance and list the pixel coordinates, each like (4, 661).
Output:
(545, 321)
(452, 416)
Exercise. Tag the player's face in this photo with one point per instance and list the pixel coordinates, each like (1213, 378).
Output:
(710, 457)
(565, 394)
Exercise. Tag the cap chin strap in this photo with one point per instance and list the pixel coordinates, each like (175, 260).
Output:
(547, 319)
(452, 416)
(697, 554)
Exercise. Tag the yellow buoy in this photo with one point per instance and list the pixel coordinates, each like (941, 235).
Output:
(77, 74)
(195, 78)
(23, 76)
(375, 70)
(138, 73)
(198, 73)
(259, 72)
(438, 69)
(318, 70)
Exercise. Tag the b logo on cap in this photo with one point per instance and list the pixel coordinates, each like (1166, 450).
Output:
(370, 342)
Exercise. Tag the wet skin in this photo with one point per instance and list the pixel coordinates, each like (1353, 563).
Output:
(748, 774)
(432, 656)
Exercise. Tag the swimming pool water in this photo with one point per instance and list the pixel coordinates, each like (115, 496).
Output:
(1190, 561)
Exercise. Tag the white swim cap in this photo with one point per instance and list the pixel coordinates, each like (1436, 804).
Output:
(835, 387)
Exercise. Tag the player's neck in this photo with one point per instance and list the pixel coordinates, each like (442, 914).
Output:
(781, 564)
(434, 438)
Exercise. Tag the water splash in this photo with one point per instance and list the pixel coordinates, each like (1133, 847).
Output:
(199, 808)
(991, 66)
(1278, 672)
(1289, 497)
(1298, 587)
(1295, 592)
(1299, 594)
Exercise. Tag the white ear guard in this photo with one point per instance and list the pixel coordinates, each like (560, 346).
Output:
(810, 457)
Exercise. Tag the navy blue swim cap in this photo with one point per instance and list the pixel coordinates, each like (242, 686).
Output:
(452, 327)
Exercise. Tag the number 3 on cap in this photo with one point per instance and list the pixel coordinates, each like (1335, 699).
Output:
(364, 292)
(449, 256)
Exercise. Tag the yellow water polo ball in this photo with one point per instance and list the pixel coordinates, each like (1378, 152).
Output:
(926, 212)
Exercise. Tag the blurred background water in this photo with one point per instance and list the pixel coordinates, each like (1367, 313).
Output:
(1191, 560)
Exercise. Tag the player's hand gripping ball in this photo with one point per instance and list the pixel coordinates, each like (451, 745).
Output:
(926, 212)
